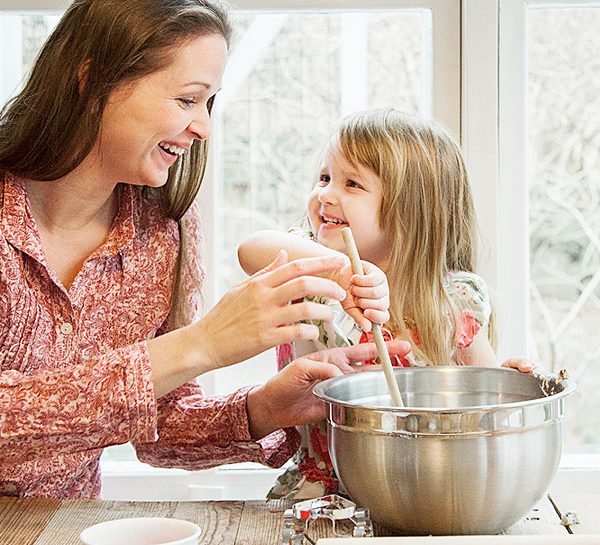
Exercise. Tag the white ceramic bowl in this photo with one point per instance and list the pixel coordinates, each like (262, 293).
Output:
(142, 531)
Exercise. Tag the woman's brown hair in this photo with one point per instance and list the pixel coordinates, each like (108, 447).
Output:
(51, 126)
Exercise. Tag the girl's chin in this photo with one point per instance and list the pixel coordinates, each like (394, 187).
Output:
(332, 239)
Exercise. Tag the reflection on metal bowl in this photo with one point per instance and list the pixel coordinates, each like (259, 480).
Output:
(471, 452)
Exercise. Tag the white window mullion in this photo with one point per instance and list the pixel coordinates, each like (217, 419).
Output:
(513, 195)
(494, 144)
(354, 73)
(446, 63)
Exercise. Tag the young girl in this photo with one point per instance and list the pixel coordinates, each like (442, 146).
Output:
(400, 183)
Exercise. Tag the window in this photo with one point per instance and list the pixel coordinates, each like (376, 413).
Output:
(517, 85)
(564, 212)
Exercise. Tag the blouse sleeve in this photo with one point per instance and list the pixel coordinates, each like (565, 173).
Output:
(104, 401)
(196, 431)
(468, 292)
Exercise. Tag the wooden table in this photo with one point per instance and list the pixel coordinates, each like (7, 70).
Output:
(59, 522)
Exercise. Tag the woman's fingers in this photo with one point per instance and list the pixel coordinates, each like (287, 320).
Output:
(307, 286)
(360, 352)
(295, 332)
(306, 310)
(309, 266)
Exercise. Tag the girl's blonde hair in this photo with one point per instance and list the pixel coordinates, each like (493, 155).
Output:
(427, 210)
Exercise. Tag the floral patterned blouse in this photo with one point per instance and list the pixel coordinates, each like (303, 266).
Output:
(311, 473)
(75, 373)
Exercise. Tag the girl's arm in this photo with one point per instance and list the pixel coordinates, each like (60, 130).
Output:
(480, 352)
(262, 247)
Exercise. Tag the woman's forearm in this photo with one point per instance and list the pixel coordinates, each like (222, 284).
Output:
(178, 357)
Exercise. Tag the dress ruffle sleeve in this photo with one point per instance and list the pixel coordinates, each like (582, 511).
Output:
(469, 293)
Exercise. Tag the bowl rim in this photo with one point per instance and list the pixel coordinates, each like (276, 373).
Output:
(319, 389)
(89, 532)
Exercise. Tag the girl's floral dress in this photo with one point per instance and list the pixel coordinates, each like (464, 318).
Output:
(311, 473)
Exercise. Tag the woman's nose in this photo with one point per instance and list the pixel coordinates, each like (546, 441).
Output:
(200, 125)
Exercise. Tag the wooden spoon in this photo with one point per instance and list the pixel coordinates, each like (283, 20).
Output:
(384, 356)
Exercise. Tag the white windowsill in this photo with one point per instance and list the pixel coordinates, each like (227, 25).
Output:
(134, 481)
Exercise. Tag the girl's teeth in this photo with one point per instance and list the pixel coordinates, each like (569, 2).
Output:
(173, 149)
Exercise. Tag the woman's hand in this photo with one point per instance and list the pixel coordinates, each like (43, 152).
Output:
(368, 294)
(256, 314)
(287, 399)
(521, 364)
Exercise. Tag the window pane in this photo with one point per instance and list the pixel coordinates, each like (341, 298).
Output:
(23, 36)
(564, 124)
(285, 95)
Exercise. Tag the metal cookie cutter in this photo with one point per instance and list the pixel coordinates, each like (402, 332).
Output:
(333, 508)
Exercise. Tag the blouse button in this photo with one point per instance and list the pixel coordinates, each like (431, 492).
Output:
(66, 328)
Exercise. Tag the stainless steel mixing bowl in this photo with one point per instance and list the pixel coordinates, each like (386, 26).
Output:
(471, 452)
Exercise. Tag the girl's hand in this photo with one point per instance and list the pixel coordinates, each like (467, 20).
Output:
(368, 294)
(255, 315)
(521, 364)
(287, 399)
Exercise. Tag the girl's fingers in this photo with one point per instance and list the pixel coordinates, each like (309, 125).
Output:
(375, 304)
(357, 315)
(522, 364)
(367, 280)
(372, 292)
(309, 266)
(306, 286)
(377, 316)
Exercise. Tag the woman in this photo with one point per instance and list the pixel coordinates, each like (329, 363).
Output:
(101, 156)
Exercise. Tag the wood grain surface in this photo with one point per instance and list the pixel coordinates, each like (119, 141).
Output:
(59, 522)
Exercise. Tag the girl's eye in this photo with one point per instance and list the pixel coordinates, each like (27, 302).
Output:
(352, 183)
(324, 179)
(187, 101)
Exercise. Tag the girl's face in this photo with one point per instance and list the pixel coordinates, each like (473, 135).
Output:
(148, 125)
(348, 196)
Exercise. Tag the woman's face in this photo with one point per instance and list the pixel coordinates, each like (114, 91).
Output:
(348, 196)
(146, 126)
